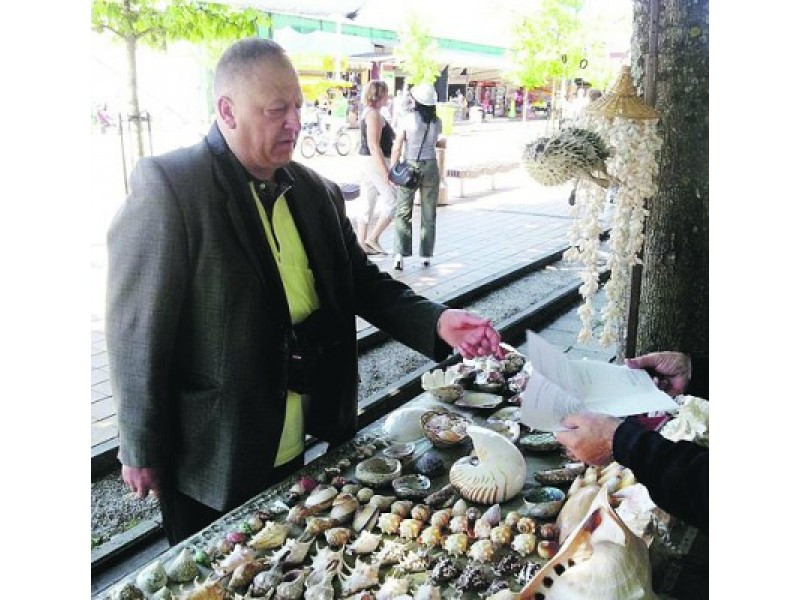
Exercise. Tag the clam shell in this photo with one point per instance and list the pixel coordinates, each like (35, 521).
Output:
(562, 476)
(479, 400)
(543, 502)
(412, 486)
(539, 443)
(365, 518)
(321, 498)
(495, 473)
(378, 471)
(403, 424)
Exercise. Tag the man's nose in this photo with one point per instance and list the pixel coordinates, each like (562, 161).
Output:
(293, 120)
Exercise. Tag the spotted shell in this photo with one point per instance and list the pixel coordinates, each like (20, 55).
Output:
(501, 535)
(431, 536)
(482, 551)
(482, 529)
(389, 523)
(524, 543)
(459, 524)
(526, 525)
(446, 569)
(441, 518)
(456, 544)
(410, 528)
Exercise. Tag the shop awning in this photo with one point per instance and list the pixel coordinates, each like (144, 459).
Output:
(322, 43)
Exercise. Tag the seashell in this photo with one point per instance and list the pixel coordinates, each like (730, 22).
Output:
(272, 535)
(127, 591)
(547, 549)
(539, 443)
(501, 535)
(430, 464)
(576, 484)
(392, 588)
(391, 553)
(444, 570)
(528, 572)
(243, 574)
(411, 486)
(440, 497)
(456, 544)
(255, 523)
(353, 488)
(496, 473)
(402, 507)
(365, 518)
(590, 476)
(403, 424)
(362, 576)
(209, 590)
(298, 514)
(460, 508)
(444, 428)
(364, 494)
(508, 429)
(493, 515)
(365, 543)
(524, 543)
(319, 586)
(512, 363)
(410, 529)
(441, 518)
(482, 529)
(327, 559)
(574, 510)
(512, 518)
(501, 594)
(543, 502)
(221, 547)
(472, 578)
(162, 594)
(481, 399)
(382, 502)
(482, 551)
(316, 525)
(402, 451)
(337, 536)
(344, 506)
(427, 591)
(304, 485)
(442, 385)
(548, 531)
(414, 562)
(473, 514)
(183, 569)
(562, 476)
(294, 552)
(421, 512)
(431, 536)
(291, 585)
(459, 524)
(152, 578)
(510, 564)
(526, 525)
(389, 523)
(321, 498)
(236, 537)
(339, 482)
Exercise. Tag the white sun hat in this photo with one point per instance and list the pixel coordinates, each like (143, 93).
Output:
(424, 94)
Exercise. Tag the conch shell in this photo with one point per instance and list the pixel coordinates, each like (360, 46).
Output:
(495, 473)
(602, 559)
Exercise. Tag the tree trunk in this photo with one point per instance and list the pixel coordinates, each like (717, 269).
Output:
(673, 314)
(134, 116)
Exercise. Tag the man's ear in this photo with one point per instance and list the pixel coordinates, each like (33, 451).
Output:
(225, 110)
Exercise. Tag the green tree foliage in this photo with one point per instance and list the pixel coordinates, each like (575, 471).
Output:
(155, 23)
(415, 52)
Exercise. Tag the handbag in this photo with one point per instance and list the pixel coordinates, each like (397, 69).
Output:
(404, 173)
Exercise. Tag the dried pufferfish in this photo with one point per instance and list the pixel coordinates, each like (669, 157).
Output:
(573, 152)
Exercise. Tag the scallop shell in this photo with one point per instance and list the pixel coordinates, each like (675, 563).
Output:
(501, 535)
(183, 569)
(524, 543)
(482, 551)
(272, 535)
(456, 544)
(152, 578)
(389, 523)
(495, 474)
(431, 536)
(441, 518)
(410, 529)
(365, 543)
(337, 536)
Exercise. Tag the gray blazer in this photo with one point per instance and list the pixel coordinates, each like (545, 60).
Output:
(198, 324)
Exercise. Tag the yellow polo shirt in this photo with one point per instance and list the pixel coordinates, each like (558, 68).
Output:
(298, 284)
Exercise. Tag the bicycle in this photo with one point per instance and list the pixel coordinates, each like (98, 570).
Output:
(315, 140)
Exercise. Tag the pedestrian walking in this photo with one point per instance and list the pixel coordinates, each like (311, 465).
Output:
(417, 139)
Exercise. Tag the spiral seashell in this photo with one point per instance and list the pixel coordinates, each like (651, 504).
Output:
(524, 543)
(547, 549)
(590, 477)
(291, 586)
(391, 553)
(183, 568)
(337, 536)
(526, 525)
(362, 576)
(459, 524)
(126, 591)
(421, 512)
(441, 518)
(482, 529)
(244, 573)
(460, 508)
(472, 578)
(574, 509)
(548, 531)
(473, 514)
(414, 562)
(410, 529)
(493, 515)
(512, 518)
(326, 559)
(495, 473)
(510, 564)
(427, 591)
(482, 551)
(456, 544)
(431, 536)
(501, 534)
(181, 571)
(389, 523)
(364, 494)
(392, 587)
(152, 578)
(402, 507)
(272, 535)
(294, 551)
(365, 543)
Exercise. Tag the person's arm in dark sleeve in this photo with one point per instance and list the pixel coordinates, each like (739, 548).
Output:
(698, 383)
(674, 473)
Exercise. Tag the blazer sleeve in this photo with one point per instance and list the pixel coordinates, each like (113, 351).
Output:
(147, 279)
(698, 384)
(674, 473)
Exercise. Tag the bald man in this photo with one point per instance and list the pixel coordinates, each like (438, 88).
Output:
(234, 282)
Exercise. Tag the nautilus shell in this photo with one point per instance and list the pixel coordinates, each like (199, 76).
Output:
(602, 560)
(496, 471)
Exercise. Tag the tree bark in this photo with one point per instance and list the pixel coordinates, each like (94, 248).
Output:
(134, 116)
(673, 314)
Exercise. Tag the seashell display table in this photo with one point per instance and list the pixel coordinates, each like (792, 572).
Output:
(304, 542)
